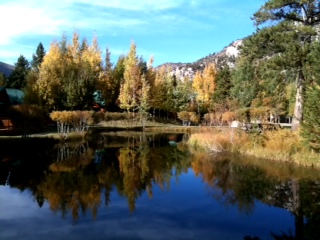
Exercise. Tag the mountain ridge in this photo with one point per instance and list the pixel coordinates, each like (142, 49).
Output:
(6, 69)
(227, 56)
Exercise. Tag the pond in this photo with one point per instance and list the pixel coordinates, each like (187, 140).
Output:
(128, 185)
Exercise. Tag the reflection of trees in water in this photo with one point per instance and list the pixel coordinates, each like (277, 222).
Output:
(240, 185)
(233, 184)
(142, 166)
(70, 185)
(134, 171)
(71, 191)
(302, 199)
(67, 150)
(23, 163)
(132, 139)
(79, 176)
(71, 155)
(73, 177)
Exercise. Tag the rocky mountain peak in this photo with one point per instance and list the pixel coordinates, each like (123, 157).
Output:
(233, 49)
(227, 56)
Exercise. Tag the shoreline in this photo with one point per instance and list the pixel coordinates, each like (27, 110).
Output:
(279, 145)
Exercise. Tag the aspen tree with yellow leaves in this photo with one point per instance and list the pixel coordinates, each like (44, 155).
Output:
(48, 86)
(68, 75)
(134, 88)
(204, 85)
(159, 90)
(131, 80)
(144, 104)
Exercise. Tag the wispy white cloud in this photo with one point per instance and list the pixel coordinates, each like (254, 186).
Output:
(25, 18)
(116, 21)
(28, 17)
(141, 5)
(20, 18)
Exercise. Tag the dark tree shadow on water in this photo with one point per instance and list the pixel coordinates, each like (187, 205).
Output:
(282, 236)
(251, 238)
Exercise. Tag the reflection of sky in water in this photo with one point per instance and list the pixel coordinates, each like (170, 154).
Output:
(186, 211)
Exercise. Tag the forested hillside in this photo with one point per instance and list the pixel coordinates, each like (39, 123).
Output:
(272, 75)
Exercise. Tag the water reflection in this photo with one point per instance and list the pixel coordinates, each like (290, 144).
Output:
(74, 178)
(233, 183)
(77, 174)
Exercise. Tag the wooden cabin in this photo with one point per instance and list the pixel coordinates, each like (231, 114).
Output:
(8, 98)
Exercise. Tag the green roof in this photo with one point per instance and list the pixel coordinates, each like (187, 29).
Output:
(16, 96)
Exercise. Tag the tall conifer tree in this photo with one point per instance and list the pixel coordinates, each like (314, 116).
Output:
(311, 113)
(37, 58)
(223, 85)
(295, 21)
(17, 79)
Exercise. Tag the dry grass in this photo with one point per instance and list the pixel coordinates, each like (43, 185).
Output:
(218, 140)
(281, 145)
(130, 124)
(275, 145)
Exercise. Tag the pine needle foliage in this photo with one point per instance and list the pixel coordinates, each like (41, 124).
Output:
(311, 122)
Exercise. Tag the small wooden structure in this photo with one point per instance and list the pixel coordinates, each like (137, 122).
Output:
(6, 124)
(259, 126)
(8, 98)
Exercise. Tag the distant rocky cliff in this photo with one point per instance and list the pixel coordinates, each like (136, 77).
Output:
(227, 56)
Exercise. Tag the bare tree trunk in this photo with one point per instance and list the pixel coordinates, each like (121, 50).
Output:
(298, 108)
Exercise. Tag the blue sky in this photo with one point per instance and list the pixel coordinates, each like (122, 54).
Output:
(170, 30)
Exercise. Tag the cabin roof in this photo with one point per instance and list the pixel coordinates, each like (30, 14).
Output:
(11, 96)
(16, 96)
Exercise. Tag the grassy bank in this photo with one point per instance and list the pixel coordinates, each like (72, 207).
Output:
(282, 145)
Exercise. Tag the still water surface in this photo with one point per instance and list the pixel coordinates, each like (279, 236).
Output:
(114, 186)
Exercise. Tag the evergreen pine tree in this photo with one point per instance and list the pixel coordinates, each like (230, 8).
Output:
(291, 38)
(311, 121)
(223, 85)
(311, 111)
(17, 79)
(37, 58)
(244, 84)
